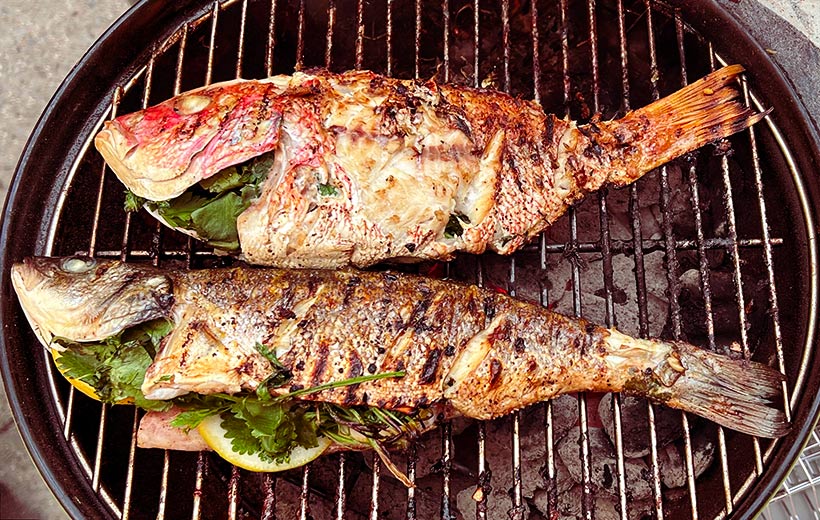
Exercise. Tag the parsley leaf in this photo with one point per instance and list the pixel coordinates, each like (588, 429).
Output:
(242, 440)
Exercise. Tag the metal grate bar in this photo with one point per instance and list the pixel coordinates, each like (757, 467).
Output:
(304, 497)
(359, 34)
(212, 43)
(412, 458)
(517, 511)
(729, 207)
(446, 464)
(672, 270)
(505, 39)
(606, 259)
(445, 10)
(417, 40)
(300, 37)
(374, 490)
(129, 476)
(536, 52)
(180, 59)
(584, 448)
(774, 310)
(163, 486)
(233, 493)
(198, 480)
(270, 44)
(389, 41)
(643, 318)
(241, 49)
(269, 504)
(331, 25)
(95, 474)
(690, 465)
(341, 496)
(132, 451)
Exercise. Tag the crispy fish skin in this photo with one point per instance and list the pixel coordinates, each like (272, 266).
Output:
(479, 353)
(370, 168)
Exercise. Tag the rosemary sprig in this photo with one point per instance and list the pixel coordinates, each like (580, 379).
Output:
(338, 384)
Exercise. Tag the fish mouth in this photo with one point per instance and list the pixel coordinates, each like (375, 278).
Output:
(25, 278)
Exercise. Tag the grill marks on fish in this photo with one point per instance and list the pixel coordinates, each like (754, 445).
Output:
(478, 353)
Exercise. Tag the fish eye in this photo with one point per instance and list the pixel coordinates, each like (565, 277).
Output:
(78, 264)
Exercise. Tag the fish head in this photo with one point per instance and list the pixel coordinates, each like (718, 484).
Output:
(152, 149)
(162, 150)
(87, 299)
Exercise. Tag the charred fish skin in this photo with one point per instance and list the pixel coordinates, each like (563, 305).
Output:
(480, 353)
(370, 168)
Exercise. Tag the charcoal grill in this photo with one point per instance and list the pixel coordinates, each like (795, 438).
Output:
(749, 221)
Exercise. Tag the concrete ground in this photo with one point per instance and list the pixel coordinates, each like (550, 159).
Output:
(40, 41)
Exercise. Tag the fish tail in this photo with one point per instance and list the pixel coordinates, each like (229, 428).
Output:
(700, 113)
(736, 393)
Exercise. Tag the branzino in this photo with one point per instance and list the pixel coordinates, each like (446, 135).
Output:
(369, 168)
(472, 351)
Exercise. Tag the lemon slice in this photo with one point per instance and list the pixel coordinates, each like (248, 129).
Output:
(214, 434)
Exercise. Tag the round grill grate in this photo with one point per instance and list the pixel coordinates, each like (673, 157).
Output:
(715, 248)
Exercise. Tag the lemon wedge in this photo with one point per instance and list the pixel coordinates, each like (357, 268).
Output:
(213, 433)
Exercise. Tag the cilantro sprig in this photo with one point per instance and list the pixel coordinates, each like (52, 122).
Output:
(115, 367)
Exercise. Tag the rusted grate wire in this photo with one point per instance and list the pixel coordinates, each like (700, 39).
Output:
(236, 38)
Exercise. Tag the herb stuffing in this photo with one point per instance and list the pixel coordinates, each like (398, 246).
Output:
(115, 367)
(455, 225)
(211, 207)
(267, 422)
(272, 425)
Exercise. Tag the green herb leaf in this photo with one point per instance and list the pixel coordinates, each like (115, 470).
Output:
(454, 227)
(116, 367)
(177, 212)
(242, 440)
(216, 221)
(328, 190)
(197, 408)
(225, 180)
(133, 202)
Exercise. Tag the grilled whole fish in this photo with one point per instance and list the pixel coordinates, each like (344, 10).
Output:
(477, 353)
(369, 168)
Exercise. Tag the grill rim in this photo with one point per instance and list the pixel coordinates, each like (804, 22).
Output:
(81, 93)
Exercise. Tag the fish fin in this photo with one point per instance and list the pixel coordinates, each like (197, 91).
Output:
(739, 394)
(700, 113)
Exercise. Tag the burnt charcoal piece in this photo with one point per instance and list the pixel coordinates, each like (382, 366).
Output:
(635, 424)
